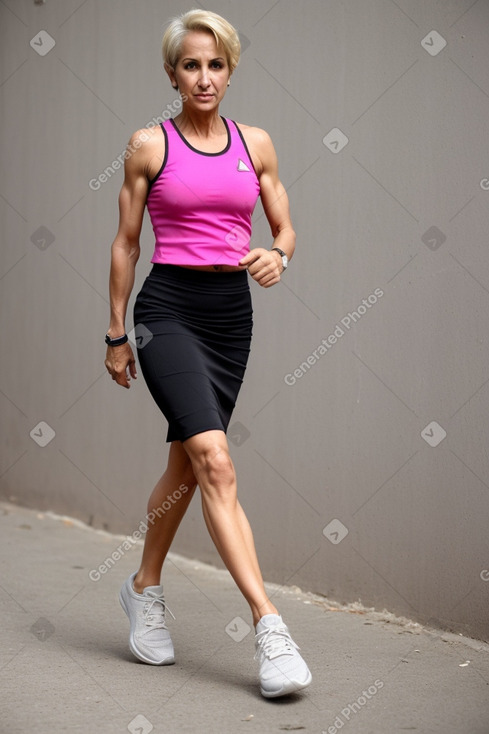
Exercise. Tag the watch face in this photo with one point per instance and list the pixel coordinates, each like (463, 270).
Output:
(282, 254)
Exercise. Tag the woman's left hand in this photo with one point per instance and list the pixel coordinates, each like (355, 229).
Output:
(264, 266)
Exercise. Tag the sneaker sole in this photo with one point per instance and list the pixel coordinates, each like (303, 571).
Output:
(292, 687)
(132, 645)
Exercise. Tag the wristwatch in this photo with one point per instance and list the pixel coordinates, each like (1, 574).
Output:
(285, 259)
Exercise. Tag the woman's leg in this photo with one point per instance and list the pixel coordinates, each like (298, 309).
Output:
(225, 518)
(162, 520)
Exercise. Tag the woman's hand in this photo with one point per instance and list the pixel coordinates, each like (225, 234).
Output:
(121, 364)
(264, 266)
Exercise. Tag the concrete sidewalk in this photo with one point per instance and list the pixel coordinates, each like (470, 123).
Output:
(65, 664)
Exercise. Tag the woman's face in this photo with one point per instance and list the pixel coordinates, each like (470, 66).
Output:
(202, 72)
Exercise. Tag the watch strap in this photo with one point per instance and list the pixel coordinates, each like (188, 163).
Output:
(117, 342)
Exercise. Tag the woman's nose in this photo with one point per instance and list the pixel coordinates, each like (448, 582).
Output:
(204, 78)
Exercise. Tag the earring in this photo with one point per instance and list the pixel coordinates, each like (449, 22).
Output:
(229, 84)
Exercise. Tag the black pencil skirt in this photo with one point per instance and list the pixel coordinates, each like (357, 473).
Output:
(193, 331)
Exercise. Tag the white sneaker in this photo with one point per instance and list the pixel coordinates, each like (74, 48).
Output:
(282, 669)
(149, 639)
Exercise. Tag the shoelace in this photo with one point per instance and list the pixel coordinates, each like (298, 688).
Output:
(154, 615)
(273, 642)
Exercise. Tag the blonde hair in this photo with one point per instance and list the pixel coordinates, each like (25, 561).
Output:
(201, 20)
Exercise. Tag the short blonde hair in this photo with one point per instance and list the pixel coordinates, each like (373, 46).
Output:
(201, 20)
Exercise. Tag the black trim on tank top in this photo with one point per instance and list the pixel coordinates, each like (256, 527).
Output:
(165, 158)
(245, 146)
(203, 152)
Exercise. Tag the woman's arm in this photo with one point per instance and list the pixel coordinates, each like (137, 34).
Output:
(265, 266)
(125, 251)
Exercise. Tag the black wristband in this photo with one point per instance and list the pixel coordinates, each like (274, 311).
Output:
(117, 342)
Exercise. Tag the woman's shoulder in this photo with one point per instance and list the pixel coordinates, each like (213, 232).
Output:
(257, 134)
(259, 144)
(145, 150)
(146, 137)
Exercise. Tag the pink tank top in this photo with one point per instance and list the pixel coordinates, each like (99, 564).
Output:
(200, 204)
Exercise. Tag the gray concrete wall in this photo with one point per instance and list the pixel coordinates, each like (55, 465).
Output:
(360, 434)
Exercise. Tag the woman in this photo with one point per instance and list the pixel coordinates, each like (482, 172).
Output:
(200, 176)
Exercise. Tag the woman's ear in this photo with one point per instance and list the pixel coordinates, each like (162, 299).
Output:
(171, 73)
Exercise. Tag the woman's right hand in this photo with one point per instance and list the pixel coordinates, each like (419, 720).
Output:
(120, 364)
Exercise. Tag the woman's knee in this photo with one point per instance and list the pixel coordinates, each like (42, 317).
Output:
(213, 465)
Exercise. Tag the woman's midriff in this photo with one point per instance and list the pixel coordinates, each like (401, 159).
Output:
(215, 268)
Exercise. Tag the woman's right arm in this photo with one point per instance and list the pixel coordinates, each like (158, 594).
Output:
(120, 361)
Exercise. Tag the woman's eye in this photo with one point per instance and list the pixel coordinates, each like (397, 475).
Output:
(214, 65)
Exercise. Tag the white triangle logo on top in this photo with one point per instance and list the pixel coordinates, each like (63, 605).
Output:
(242, 165)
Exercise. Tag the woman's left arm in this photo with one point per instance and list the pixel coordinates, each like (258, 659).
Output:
(265, 266)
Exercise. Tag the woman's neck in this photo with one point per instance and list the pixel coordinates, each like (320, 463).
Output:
(200, 124)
